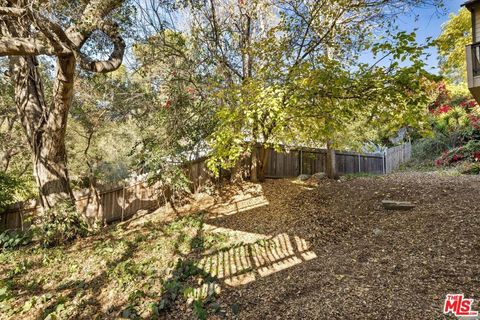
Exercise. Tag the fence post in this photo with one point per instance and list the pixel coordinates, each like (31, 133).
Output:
(301, 161)
(359, 164)
(123, 201)
(384, 162)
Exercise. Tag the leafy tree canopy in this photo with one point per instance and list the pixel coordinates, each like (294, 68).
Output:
(456, 34)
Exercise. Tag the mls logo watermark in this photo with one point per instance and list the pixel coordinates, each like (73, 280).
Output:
(459, 306)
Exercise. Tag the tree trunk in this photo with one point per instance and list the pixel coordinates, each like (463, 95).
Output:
(11, 145)
(237, 172)
(45, 125)
(93, 202)
(5, 161)
(263, 163)
(27, 33)
(254, 168)
(331, 169)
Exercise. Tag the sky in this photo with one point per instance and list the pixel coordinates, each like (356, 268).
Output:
(428, 24)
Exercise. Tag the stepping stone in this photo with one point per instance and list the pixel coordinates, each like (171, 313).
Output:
(397, 205)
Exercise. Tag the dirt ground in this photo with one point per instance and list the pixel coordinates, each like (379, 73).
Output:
(358, 260)
(283, 249)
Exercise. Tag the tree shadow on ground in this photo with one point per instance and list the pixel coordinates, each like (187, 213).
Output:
(93, 286)
(55, 297)
(247, 257)
(237, 241)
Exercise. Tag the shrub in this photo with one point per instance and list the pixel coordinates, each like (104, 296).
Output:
(14, 189)
(430, 148)
(61, 224)
(12, 239)
(472, 147)
(171, 181)
(450, 157)
(471, 168)
(8, 186)
(468, 152)
(452, 119)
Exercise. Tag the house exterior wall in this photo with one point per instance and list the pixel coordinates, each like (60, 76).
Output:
(476, 24)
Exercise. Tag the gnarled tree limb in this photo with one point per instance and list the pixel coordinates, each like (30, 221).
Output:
(115, 59)
(58, 42)
(13, 12)
(14, 46)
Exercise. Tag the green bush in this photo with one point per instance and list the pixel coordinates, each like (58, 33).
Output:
(430, 148)
(61, 224)
(454, 120)
(8, 187)
(470, 168)
(470, 152)
(472, 147)
(12, 239)
(14, 189)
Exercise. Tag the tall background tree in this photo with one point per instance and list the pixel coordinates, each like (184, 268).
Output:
(278, 43)
(456, 34)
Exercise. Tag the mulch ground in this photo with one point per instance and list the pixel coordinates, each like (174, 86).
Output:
(371, 263)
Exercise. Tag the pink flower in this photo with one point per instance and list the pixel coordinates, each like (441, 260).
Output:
(444, 109)
(474, 121)
(476, 156)
(457, 157)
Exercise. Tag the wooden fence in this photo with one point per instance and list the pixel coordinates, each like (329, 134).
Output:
(395, 156)
(197, 172)
(122, 202)
(111, 205)
(310, 161)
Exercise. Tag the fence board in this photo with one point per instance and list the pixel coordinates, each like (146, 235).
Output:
(395, 156)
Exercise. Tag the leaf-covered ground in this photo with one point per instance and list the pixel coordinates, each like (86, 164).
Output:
(279, 250)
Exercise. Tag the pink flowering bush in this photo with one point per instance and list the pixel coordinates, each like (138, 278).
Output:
(455, 119)
(468, 152)
(476, 156)
(443, 109)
